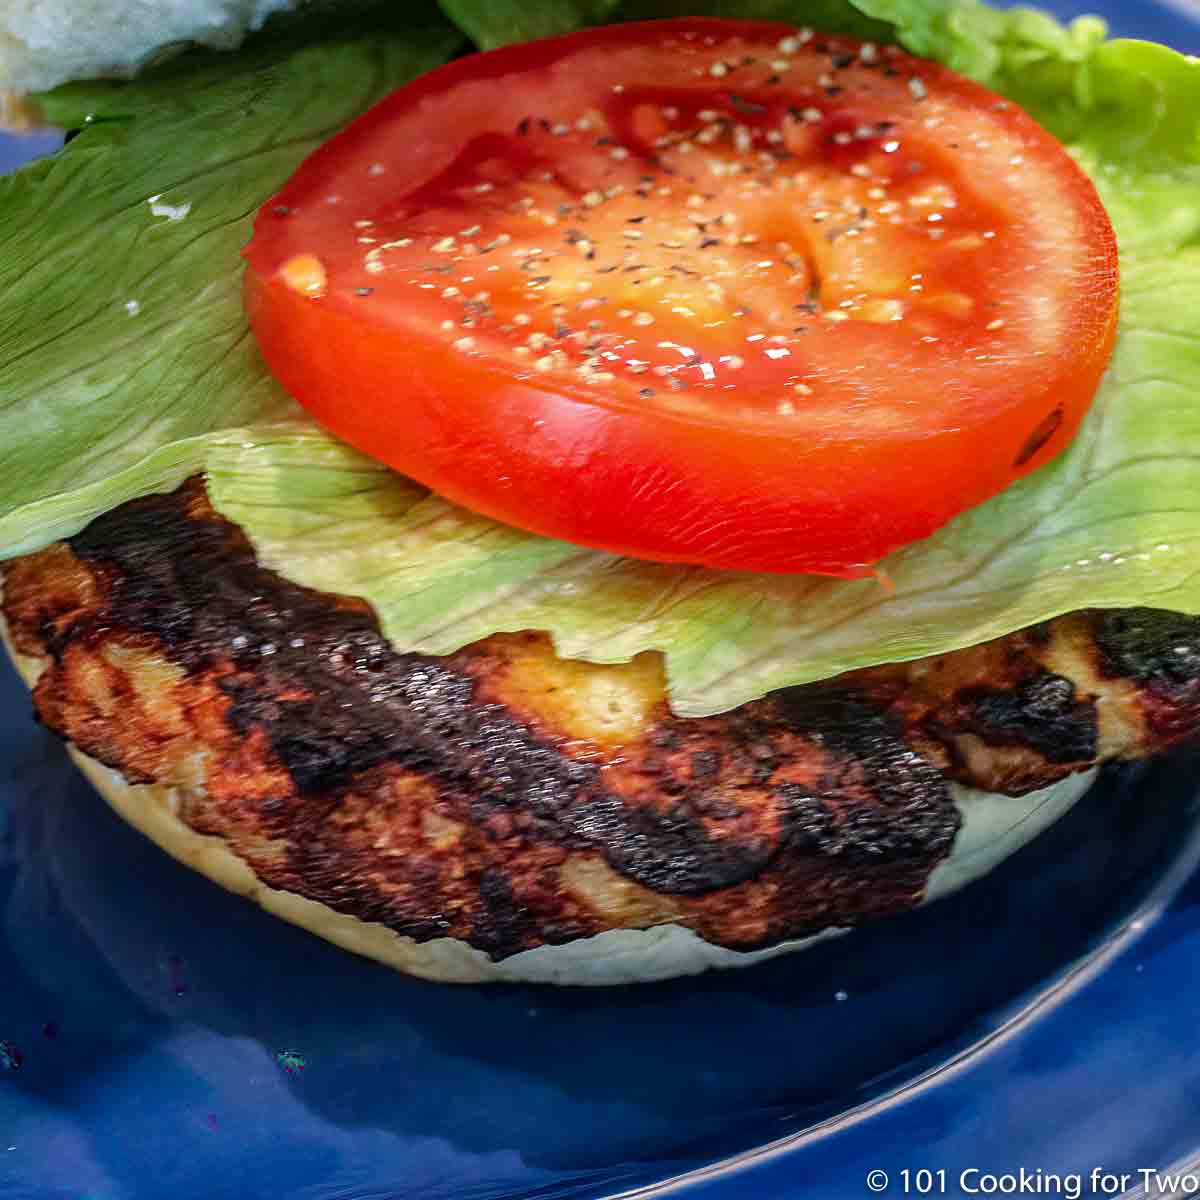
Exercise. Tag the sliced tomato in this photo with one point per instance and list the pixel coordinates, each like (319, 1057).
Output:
(695, 291)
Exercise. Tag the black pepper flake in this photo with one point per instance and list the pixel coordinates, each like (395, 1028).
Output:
(282, 210)
(834, 91)
(634, 220)
(646, 393)
(523, 126)
(750, 107)
(841, 60)
(545, 125)
(708, 242)
(773, 80)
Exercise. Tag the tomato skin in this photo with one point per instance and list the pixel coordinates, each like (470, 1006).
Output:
(556, 465)
(828, 492)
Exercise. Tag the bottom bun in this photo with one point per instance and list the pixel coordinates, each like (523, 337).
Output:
(994, 827)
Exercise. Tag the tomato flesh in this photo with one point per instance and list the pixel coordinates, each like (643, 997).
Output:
(694, 291)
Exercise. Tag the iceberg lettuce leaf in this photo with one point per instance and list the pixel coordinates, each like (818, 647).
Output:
(121, 323)
(492, 23)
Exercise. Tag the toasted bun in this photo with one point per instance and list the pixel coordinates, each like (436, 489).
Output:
(994, 827)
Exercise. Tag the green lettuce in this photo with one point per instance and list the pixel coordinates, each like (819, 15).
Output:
(97, 404)
(122, 337)
(498, 22)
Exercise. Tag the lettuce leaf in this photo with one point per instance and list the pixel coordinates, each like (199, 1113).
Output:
(831, 16)
(97, 405)
(122, 338)
(492, 23)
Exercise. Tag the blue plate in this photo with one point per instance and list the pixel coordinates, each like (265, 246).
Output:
(160, 1038)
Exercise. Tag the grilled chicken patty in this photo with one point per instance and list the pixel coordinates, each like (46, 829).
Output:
(510, 799)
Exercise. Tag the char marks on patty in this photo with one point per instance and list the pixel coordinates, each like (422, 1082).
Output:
(509, 798)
